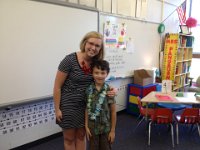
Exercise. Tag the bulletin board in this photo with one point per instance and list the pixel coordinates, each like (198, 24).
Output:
(141, 43)
(34, 38)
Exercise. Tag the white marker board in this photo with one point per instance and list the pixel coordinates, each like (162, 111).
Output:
(34, 38)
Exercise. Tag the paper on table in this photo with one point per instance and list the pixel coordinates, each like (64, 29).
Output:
(165, 98)
(197, 97)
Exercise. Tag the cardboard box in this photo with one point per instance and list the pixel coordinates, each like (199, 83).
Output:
(141, 77)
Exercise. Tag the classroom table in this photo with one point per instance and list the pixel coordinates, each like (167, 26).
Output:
(159, 97)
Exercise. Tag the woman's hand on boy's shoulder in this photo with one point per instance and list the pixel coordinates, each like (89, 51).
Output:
(112, 92)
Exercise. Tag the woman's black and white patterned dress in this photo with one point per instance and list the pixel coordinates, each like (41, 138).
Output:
(73, 101)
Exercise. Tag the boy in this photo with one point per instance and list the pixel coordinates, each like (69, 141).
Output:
(100, 114)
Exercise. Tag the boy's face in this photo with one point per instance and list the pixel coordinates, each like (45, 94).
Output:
(99, 75)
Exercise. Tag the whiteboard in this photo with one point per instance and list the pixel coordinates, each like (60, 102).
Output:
(145, 39)
(34, 38)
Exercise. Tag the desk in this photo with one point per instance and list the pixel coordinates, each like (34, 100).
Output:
(188, 98)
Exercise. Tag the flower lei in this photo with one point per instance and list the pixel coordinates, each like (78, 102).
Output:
(85, 69)
(101, 98)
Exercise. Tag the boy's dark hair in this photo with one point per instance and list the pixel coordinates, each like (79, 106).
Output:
(101, 64)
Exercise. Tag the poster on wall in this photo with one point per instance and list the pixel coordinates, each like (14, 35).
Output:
(121, 38)
(26, 116)
(110, 35)
(115, 35)
(169, 62)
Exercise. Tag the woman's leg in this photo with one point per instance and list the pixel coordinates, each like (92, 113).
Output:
(69, 139)
(80, 139)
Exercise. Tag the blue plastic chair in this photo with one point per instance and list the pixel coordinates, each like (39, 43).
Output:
(173, 107)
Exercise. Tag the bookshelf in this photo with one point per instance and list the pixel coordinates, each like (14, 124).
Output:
(177, 60)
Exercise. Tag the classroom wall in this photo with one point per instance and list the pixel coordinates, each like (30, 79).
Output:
(39, 116)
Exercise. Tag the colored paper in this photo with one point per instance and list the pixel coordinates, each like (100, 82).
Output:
(164, 97)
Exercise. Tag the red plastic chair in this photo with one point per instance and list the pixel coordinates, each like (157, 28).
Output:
(144, 112)
(162, 116)
(189, 116)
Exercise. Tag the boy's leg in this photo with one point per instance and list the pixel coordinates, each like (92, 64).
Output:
(94, 142)
(104, 143)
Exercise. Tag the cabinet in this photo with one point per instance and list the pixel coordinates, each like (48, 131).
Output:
(177, 60)
(134, 91)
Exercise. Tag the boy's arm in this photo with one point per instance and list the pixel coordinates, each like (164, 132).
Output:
(111, 135)
(113, 117)
(88, 133)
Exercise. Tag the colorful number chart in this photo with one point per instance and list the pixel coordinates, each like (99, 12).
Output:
(26, 116)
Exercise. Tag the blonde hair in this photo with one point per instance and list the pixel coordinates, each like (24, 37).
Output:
(93, 34)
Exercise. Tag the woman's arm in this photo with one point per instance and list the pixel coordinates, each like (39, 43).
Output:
(59, 81)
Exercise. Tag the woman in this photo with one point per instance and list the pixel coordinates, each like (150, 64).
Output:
(73, 76)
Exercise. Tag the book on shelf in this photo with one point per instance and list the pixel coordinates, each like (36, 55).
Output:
(183, 41)
(189, 42)
(188, 68)
(185, 54)
(176, 70)
(182, 81)
(185, 67)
